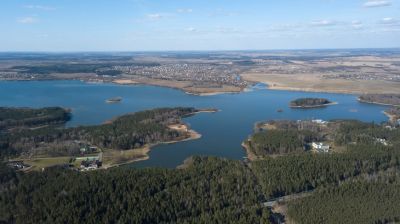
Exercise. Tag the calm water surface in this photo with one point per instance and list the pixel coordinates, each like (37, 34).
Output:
(222, 132)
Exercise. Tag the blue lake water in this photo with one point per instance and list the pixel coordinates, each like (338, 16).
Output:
(222, 132)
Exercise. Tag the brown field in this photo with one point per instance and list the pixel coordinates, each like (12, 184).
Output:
(185, 86)
(315, 83)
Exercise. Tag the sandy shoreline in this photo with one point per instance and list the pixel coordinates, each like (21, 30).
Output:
(125, 81)
(250, 155)
(392, 118)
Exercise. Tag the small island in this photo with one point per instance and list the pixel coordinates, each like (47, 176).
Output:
(310, 102)
(114, 100)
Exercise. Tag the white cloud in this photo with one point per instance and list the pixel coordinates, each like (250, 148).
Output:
(377, 3)
(323, 23)
(184, 10)
(27, 20)
(191, 29)
(221, 29)
(387, 20)
(41, 7)
(357, 24)
(154, 16)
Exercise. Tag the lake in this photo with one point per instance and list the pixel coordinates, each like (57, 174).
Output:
(222, 132)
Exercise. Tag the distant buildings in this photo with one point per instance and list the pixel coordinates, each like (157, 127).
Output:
(319, 121)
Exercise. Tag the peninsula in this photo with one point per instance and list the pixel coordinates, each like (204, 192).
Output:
(31, 136)
(382, 99)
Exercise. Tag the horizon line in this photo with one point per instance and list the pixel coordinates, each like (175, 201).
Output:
(171, 51)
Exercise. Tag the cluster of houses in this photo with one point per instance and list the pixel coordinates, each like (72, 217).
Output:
(91, 163)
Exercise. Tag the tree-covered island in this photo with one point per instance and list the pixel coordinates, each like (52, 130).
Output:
(309, 102)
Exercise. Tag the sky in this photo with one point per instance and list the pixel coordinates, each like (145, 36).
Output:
(174, 25)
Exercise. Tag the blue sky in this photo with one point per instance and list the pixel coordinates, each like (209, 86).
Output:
(158, 25)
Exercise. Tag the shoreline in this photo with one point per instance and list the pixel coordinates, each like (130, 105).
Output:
(144, 153)
(206, 93)
(212, 93)
(373, 102)
(392, 118)
(249, 154)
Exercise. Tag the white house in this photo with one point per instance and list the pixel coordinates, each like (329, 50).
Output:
(320, 147)
(382, 141)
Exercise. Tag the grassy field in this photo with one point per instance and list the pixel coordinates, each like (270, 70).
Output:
(39, 163)
(118, 157)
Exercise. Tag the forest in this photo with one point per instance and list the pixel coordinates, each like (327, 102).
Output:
(29, 117)
(309, 102)
(208, 189)
(125, 132)
(352, 202)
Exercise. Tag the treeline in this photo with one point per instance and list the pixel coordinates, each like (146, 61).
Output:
(309, 102)
(208, 190)
(352, 202)
(391, 99)
(63, 68)
(29, 117)
(126, 132)
(103, 68)
(281, 141)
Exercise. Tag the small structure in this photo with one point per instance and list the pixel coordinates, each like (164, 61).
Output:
(18, 165)
(320, 147)
(86, 149)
